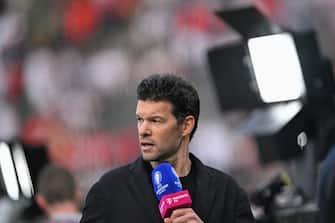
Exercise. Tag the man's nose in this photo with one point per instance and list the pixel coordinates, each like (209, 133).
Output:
(144, 129)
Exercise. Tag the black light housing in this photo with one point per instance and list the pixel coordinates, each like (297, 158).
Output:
(19, 166)
(235, 80)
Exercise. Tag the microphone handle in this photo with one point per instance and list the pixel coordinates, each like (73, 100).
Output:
(170, 202)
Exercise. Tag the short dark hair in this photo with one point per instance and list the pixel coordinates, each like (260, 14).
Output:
(171, 88)
(56, 184)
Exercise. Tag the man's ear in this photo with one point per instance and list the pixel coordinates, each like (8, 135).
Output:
(188, 125)
(41, 201)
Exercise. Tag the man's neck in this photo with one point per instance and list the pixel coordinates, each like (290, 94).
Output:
(67, 208)
(180, 161)
(183, 167)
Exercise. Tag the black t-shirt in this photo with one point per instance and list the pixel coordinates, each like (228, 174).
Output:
(188, 183)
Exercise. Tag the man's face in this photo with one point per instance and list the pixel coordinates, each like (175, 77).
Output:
(159, 133)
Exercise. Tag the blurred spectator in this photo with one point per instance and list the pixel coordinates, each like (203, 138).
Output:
(108, 70)
(145, 31)
(9, 120)
(156, 59)
(192, 32)
(81, 19)
(40, 79)
(116, 10)
(58, 195)
(12, 29)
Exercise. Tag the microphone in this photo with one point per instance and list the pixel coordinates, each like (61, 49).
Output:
(168, 189)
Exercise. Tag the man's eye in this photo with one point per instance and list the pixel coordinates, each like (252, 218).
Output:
(139, 120)
(156, 121)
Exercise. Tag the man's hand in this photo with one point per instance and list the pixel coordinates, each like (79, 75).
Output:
(183, 215)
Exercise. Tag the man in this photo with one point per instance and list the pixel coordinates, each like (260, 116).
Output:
(57, 195)
(167, 115)
(326, 178)
(326, 190)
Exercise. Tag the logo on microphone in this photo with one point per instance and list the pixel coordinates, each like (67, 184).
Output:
(158, 177)
(169, 201)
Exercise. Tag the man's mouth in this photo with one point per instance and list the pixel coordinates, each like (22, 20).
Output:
(146, 145)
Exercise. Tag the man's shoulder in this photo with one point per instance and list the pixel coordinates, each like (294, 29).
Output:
(116, 173)
(221, 177)
(204, 171)
(217, 173)
(111, 179)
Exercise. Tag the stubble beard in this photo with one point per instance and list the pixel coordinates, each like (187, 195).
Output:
(160, 156)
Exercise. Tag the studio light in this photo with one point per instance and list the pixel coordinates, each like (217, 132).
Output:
(8, 172)
(276, 67)
(266, 74)
(285, 89)
(19, 167)
(23, 172)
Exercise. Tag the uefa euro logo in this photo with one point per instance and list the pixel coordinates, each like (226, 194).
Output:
(158, 177)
